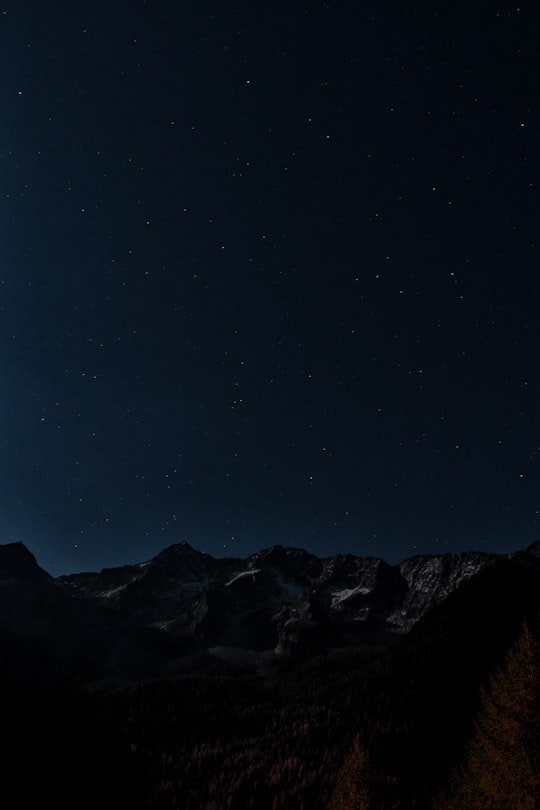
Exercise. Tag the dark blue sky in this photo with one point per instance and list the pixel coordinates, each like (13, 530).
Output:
(268, 274)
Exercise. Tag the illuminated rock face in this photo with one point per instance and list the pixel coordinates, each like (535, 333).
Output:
(174, 611)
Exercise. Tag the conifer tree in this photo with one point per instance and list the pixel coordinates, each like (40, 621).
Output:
(356, 783)
(502, 766)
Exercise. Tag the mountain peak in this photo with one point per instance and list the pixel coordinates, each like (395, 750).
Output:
(17, 562)
(533, 549)
(180, 549)
(280, 552)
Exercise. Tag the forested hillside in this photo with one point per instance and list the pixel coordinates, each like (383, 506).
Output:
(391, 726)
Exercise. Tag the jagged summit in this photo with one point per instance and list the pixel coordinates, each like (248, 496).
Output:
(291, 562)
(183, 549)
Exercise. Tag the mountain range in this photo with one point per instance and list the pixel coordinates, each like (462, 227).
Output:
(184, 609)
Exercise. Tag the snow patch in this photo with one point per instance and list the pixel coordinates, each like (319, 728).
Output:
(242, 574)
(111, 592)
(338, 597)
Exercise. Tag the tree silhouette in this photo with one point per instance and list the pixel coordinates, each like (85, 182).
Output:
(502, 765)
(356, 785)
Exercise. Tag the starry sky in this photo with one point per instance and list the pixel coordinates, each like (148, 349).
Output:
(268, 274)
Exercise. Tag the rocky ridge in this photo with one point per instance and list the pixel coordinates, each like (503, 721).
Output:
(184, 608)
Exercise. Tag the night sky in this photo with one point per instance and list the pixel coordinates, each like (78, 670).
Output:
(269, 273)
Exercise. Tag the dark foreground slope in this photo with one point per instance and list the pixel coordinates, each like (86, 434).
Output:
(60, 749)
